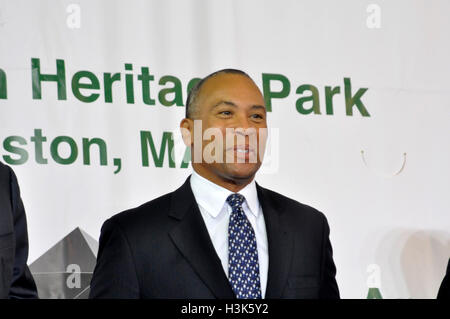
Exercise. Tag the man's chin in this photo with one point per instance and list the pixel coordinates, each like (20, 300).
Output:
(241, 171)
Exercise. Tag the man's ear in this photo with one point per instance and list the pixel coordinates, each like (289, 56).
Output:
(187, 131)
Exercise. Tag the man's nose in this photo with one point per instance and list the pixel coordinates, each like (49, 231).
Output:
(242, 124)
(245, 130)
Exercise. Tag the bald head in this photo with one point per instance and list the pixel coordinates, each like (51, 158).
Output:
(194, 94)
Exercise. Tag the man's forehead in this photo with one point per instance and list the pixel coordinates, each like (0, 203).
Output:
(226, 79)
(225, 83)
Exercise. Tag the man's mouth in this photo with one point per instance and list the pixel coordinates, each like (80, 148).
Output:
(242, 148)
(243, 152)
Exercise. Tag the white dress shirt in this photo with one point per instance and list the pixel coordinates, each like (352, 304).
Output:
(211, 199)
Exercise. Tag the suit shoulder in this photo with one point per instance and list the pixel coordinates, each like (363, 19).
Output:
(3, 166)
(5, 172)
(293, 207)
(9, 186)
(145, 215)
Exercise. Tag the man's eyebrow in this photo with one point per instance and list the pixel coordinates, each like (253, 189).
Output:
(224, 102)
(258, 107)
(230, 103)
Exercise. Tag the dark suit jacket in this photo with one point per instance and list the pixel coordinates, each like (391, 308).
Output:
(16, 280)
(444, 290)
(162, 249)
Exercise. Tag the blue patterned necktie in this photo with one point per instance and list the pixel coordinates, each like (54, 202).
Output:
(243, 266)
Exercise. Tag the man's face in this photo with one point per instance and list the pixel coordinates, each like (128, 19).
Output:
(233, 102)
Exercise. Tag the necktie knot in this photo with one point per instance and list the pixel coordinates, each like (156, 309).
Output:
(235, 200)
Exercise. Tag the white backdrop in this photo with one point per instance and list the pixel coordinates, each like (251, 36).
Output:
(382, 180)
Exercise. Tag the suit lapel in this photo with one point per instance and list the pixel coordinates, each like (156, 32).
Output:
(192, 239)
(280, 244)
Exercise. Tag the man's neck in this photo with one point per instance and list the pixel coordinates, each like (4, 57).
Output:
(232, 185)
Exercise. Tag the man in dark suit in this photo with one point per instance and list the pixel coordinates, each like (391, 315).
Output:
(220, 235)
(16, 280)
(444, 290)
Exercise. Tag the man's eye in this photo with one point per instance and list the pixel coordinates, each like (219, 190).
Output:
(225, 113)
(258, 116)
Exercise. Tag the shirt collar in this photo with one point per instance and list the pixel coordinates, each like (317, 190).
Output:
(212, 197)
